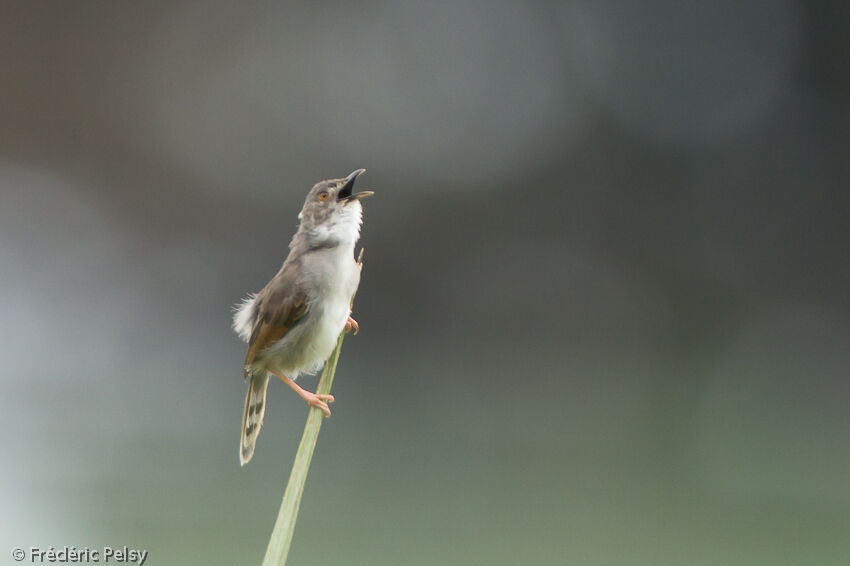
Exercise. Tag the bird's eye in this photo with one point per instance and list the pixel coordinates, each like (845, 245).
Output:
(323, 195)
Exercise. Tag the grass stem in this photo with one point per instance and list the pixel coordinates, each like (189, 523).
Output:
(284, 527)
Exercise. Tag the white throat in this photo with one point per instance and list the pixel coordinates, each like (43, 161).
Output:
(342, 228)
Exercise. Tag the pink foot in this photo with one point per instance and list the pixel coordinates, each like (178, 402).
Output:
(318, 400)
(352, 324)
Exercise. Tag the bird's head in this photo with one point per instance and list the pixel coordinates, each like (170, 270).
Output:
(332, 211)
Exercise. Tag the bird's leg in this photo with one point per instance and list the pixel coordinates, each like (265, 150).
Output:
(351, 324)
(313, 399)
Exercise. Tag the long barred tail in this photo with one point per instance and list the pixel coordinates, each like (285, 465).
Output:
(252, 418)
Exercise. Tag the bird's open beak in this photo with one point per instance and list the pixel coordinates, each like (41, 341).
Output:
(345, 192)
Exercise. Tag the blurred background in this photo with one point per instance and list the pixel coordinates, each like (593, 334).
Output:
(604, 312)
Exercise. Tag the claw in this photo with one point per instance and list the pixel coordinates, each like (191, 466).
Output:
(352, 324)
(318, 401)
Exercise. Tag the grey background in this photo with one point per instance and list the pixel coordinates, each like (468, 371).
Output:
(604, 310)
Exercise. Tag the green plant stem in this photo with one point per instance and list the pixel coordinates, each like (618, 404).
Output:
(284, 527)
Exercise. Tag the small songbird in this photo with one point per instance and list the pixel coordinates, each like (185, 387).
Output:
(293, 324)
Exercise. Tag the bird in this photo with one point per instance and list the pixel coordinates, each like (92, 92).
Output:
(292, 325)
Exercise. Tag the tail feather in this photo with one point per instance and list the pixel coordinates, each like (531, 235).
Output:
(252, 417)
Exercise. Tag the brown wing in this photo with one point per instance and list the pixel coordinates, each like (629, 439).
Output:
(278, 308)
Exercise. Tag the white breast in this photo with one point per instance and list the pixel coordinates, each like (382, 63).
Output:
(336, 281)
